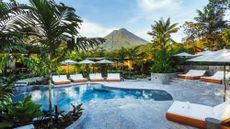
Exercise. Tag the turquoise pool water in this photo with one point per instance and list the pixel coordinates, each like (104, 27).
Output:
(64, 96)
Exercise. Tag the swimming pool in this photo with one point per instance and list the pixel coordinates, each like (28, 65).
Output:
(64, 96)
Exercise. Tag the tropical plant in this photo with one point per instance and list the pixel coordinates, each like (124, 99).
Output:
(161, 35)
(19, 113)
(61, 119)
(211, 23)
(54, 28)
(6, 90)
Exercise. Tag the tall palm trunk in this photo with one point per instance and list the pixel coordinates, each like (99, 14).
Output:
(50, 86)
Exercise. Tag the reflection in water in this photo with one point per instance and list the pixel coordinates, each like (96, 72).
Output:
(63, 97)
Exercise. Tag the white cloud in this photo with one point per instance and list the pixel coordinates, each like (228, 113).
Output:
(150, 5)
(91, 29)
(151, 10)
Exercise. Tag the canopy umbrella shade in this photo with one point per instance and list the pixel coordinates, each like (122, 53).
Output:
(184, 54)
(221, 56)
(69, 62)
(104, 61)
(87, 61)
(203, 53)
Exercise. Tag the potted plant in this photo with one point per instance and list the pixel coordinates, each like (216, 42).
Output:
(162, 68)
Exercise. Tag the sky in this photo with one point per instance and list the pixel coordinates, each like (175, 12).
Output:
(100, 17)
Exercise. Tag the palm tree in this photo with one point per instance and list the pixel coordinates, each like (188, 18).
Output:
(161, 34)
(54, 27)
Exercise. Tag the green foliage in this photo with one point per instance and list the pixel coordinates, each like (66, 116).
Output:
(211, 23)
(161, 34)
(6, 90)
(19, 113)
(61, 119)
(162, 62)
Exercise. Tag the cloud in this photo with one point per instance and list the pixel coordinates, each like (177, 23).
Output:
(91, 29)
(152, 10)
(150, 5)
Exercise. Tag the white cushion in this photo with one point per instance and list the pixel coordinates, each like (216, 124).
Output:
(219, 75)
(195, 72)
(115, 76)
(77, 77)
(60, 78)
(191, 110)
(95, 76)
(222, 111)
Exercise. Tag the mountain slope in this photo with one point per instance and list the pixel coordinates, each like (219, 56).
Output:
(122, 38)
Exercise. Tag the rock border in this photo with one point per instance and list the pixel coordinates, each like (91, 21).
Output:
(79, 123)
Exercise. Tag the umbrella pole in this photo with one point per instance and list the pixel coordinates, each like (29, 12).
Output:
(225, 85)
(93, 68)
(68, 69)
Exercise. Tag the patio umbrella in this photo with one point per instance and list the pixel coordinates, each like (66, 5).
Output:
(104, 61)
(203, 53)
(184, 54)
(221, 56)
(87, 61)
(68, 62)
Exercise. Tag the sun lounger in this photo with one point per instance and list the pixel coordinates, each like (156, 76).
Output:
(195, 114)
(192, 74)
(78, 78)
(216, 78)
(113, 77)
(95, 77)
(60, 79)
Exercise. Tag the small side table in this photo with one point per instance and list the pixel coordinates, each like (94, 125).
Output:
(212, 123)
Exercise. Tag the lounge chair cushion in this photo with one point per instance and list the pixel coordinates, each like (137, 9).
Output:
(60, 78)
(96, 76)
(195, 111)
(77, 77)
(113, 76)
(219, 75)
(222, 111)
(195, 72)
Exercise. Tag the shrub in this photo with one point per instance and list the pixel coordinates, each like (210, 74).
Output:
(19, 113)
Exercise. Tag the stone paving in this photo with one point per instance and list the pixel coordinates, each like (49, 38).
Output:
(129, 113)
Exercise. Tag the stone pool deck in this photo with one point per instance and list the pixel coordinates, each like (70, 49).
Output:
(128, 113)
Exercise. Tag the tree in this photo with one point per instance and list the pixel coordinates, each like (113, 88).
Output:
(212, 24)
(162, 40)
(161, 33)
(54, 28)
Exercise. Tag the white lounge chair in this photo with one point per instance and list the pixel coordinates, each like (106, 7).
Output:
(94, 77)
(192, 74)
(218, 77)
(195, 114)
(78, 78)
(113, 77)
(60, 79)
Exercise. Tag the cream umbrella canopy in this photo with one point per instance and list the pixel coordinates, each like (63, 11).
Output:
(87, 61)
(104, 61)
(204, 53)
(68, 62)
(221, 56)
(184, 54)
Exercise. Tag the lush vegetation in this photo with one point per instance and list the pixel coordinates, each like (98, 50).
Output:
(51, 28)
(43, 33)
(161, 34)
